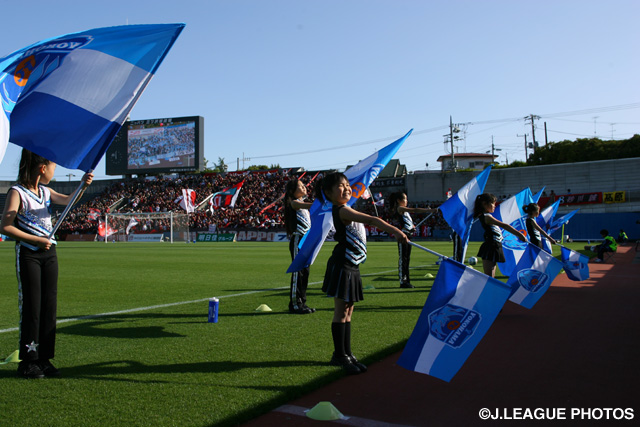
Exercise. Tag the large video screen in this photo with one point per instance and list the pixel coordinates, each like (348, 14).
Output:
(157, 146)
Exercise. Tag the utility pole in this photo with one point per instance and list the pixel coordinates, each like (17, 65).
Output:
(533, 117)
(453, 160)
(493, 151)
(526, 152)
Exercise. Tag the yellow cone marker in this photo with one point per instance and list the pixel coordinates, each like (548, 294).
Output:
(429, 275)
(325, 411)
(263, 308)
(13, 358)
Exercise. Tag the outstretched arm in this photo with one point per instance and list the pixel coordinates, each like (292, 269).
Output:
(350, 215)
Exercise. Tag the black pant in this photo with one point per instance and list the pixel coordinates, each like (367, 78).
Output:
(404, 257)
(37, 273)
(299, 279)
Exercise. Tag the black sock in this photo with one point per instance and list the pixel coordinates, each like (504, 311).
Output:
(347, 338)
(338, 332)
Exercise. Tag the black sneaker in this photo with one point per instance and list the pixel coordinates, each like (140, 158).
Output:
(300, 310)
(29, 370)
(48, 369)
(345, 362)
(406, 285)
(313, 310)
(359, 365)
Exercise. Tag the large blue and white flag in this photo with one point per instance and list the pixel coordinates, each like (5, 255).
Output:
(558, 223)
(576, 265)
(462, 305)
(533, 275)
(510, 211)
(458, 209)
(544, 220)
(65, 98)
(360, 177)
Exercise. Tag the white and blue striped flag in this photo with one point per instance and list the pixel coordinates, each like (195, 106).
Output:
(532, 276)
(360, 177)
(459, 310)
(558, 223)
(458, 209)
(576, 265)
(510, 211)
(65, 98)
(544, 221)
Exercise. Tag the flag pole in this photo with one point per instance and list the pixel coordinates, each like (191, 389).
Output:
(428, 250)
(426, 218)
(74, 199)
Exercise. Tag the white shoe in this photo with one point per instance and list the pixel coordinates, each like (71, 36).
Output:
(597, 260)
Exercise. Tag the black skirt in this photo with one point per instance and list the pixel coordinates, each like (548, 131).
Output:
(491, 251)
(342, 282)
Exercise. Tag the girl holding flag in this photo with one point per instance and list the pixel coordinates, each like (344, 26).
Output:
(491, 249)
(400, 218)
(27, 219)
(342, 278)
(533, 229)
(297, 222)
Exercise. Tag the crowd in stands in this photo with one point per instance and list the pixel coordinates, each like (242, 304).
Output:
(258, 206)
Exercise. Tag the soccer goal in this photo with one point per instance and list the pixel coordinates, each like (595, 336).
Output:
(147, 227)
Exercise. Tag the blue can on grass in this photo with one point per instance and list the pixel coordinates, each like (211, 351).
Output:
(213, 310)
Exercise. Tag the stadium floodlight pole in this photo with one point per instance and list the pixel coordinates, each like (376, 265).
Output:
(428, 250)
(74, 199)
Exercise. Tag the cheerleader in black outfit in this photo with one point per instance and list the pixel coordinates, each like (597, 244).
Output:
(297, 222)
(27, 220)
(342, 279)
(534, 230)
(491, 249)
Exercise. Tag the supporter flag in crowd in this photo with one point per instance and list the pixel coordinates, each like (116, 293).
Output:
(187, 200)
(132, 223)
(93, 214)
(511, 212)
(65, 98)
(575, 264)
(227, 197)
(457, 210)
(462, 305)
(558, 223)
(544, 221)
(105, 230)
(533, 275)
(360, 177)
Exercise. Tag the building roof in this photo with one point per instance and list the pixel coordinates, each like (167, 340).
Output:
(467, 156)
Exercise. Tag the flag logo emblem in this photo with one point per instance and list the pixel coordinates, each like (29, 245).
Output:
(532, 280)
(510, 240)
(453, 325)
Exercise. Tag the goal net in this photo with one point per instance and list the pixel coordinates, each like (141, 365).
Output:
(147, 227)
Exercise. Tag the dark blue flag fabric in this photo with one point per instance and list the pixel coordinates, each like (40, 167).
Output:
(458, 209)
(360, 177)
(462, 305)
(511, 212)
(533, 275)
(575, 264)
(65, 98)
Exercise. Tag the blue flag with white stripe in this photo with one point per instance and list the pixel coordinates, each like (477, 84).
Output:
(558, 223)
(511, 212)
(66, 98)
(576, 265)
(462, 305)
(533, 275)
(360, 177)
(458, 209)
(544, 221)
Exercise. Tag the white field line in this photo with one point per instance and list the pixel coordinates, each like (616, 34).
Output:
(153, 307)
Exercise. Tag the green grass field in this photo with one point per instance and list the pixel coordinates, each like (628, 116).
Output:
(135, 348)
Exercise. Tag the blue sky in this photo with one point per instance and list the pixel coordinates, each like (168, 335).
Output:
(323, 83)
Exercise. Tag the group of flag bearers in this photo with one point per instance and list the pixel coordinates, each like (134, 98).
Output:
(464, 302)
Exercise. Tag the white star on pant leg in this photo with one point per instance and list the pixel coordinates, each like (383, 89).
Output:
(32, 347)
